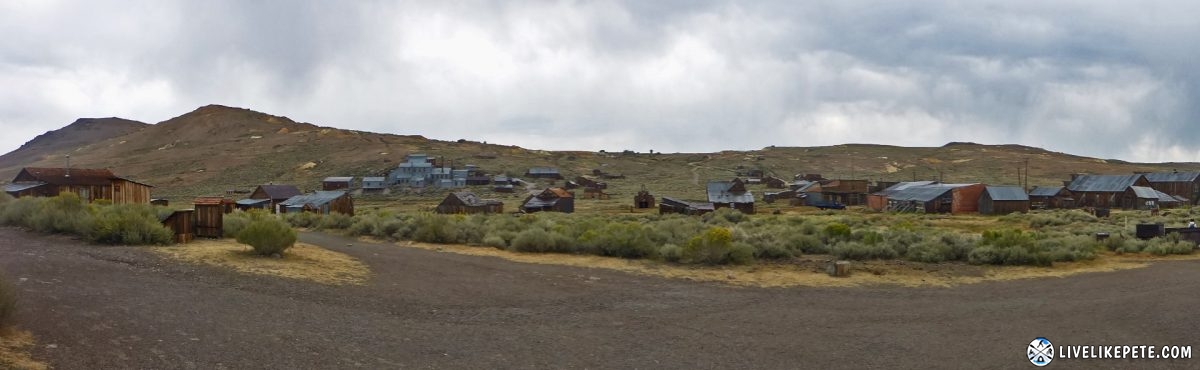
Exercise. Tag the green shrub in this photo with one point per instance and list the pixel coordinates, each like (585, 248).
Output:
(63, 214)
(670, 252)
(495, 241)
(541, 241)
(724, 216)
(334, 221)
(1013, 255)
(806, 243)
(234, 223)
(8, 302)
(129, 224)
(302, 219)
(772, 251)
(930, 251)
(860, 251)
(715, 246)
(268, 236)
(621, 239)
(836, 232)
(19, 212)
(1165, 246)
(433, 228)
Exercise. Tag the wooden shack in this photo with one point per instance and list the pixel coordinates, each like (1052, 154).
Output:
(848, 192)
(550, 200)
(643, 199)
(774, 182)
(210, 213)
(731, 194)
(1105, 191)
(1002, 200)
(182, 225)
(465, 202)
(89, 184)
(679, 206)
(544, 173)
(1184, 185)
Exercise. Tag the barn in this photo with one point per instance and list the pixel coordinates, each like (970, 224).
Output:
(465, 202)
(1178, 184)
(879, 201)
(731, 194)
(1050, 197)
(322, 202)
(1106, 191)
(89, 184)
(550, 200)
(1002, 200)
(274, 194)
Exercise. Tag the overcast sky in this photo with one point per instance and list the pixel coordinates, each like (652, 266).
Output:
(1112, 79)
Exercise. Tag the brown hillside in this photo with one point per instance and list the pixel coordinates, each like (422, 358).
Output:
(215, 148)
(77, 136)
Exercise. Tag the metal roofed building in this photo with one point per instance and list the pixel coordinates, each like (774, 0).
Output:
(1000, 200)
(731, 194)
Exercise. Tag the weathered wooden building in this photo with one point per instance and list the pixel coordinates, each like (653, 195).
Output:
(465, 202)
(182, 224)
(1050, 197)
(1177, 184)
(249, 204)
(337, 183)
(1105, 191)
(773, 182)
(550, 200)
(89, 184)
(275, 194)
(731, 194)
(544, 173)
(1002, 200)
(879, 201)
(322, 202)
(643, 199)
(210, 217)
(779, 195)
(935, 198)
(848, 192)
(685, 207)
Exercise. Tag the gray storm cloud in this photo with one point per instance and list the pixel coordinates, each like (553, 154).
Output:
(1106, 79)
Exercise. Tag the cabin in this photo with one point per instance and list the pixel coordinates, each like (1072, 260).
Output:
(879, 201)
(1105, 191)
(1184, 185)
(374, 184)
(89, 184)
(337, 183)
(210, 213)
(322, 202)
(772, 197)
(1050, 197)
(595, 193)
(643, 199)
(544, 173)
(550, 200)
(465, 202)
(731, 194)
(585, 182)
(848, 192)
(684, 207)
(1147, 198)
(274, 194)
(1002, 200)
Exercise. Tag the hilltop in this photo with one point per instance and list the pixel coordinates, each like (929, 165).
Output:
(216, 148)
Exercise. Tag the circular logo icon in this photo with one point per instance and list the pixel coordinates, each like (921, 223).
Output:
(1040, 352)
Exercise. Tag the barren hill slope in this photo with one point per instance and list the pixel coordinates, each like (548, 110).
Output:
(216, 148)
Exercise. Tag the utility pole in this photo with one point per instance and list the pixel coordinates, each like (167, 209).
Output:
(1026, 185)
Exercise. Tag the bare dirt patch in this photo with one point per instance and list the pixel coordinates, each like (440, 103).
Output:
(302, 261)
(810, 270)
(14, 350)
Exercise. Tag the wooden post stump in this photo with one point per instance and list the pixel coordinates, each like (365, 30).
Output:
(839, 268)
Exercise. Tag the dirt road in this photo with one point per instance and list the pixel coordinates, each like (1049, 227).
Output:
(96, 307)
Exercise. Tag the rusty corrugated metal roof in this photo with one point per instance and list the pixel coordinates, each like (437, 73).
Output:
(1007, 193)
(72, 176)
(208, 201)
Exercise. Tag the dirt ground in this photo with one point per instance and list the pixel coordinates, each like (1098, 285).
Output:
(92, 307)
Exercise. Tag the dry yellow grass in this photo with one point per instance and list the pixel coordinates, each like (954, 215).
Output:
(781, 275)
(14, 350)
(302, 261)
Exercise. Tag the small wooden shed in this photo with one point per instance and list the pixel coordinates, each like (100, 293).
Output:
(465, 202)
(210, 217)
(323, 202)
(336, 183)
(1002, 200)
(182, 225)
(643, 199)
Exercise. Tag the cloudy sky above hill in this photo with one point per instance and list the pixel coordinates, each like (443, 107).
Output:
(1112, 79)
